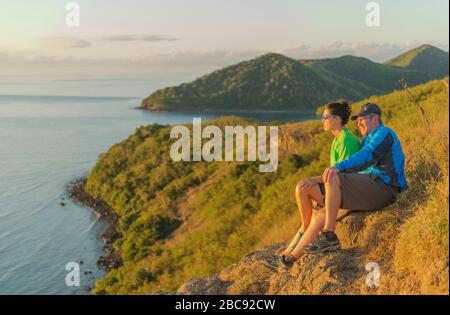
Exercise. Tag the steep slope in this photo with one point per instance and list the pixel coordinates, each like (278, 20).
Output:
(425, 58)
(181, 221)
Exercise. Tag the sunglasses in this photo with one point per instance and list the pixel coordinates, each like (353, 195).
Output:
(364, 118)
(326, 117)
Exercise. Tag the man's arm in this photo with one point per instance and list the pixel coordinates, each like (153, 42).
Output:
(366, 154)
(347, 148)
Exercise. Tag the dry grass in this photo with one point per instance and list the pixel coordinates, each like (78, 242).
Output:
(277, 234)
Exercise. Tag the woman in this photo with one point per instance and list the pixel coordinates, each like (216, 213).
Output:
(311, 191)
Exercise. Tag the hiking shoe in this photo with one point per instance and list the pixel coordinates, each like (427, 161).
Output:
(326, 242)
(278, 264)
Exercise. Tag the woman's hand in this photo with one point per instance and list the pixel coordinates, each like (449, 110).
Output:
(307, 183)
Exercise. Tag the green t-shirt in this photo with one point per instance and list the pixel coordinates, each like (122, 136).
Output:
(343, 146)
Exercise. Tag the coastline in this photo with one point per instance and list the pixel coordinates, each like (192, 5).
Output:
(215, 110)
(111, 259)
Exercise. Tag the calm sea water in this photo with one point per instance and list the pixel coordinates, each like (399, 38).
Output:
(45, 143)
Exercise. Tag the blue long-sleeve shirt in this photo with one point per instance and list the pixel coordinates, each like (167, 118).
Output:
(381, 154)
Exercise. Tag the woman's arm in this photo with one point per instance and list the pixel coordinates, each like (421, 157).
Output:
(318, 180)
(308, 183)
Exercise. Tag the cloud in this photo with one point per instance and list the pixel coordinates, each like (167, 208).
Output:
(71, 42)
(214, 58)
(141, 38)
(40, 62)
(376, 51)
(65, 42)
(189, 62)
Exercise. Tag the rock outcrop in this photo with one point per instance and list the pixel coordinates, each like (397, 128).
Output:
(340, 272)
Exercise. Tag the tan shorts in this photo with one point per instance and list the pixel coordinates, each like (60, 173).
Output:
(364, 192)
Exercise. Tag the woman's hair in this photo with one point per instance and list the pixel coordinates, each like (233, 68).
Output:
(340, 108)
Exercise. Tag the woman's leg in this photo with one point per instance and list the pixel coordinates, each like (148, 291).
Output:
(316, 226)
(304, 199)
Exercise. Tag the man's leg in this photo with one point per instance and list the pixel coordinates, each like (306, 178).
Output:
(333, 201)
(327, 240)
(351, 191)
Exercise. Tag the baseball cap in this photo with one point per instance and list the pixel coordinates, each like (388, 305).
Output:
(367, 109)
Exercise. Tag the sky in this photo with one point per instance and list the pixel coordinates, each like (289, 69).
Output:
(137, 37)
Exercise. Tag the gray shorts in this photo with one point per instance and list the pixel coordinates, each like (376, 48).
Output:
(364, 192)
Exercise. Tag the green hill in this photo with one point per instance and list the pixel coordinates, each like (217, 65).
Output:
(424, 58)
(181, 220)
(379, 78)
(276, 82)
(270, 82)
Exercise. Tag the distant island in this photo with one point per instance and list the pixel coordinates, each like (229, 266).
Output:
(276, 82)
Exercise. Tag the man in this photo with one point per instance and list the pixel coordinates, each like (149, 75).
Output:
(368, 180)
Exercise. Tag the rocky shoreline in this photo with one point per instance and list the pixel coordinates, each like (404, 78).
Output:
(153, 107)
(111, 259)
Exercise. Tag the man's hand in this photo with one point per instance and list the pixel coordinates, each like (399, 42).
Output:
(329, 173)
(307, 183)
